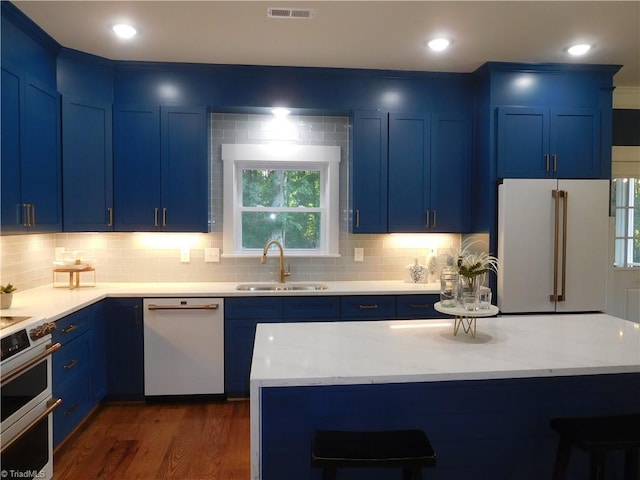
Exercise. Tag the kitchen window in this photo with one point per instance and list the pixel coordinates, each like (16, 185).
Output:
(626, 206)
(280, 192)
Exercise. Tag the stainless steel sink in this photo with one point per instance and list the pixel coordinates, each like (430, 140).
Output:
(277, 287)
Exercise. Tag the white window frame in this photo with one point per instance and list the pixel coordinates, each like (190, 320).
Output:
(236, 157)
(624, 207)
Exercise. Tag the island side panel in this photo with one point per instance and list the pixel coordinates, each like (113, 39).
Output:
(480, 429)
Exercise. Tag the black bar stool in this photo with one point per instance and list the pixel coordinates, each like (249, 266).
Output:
(597, 436)
(409, 450)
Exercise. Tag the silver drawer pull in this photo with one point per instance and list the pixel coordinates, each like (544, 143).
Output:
(420, 305)
(368, 307)
(213, 306)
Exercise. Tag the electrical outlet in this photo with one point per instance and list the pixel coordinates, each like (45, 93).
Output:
(185, 255)
(358, 255)
(211, 255)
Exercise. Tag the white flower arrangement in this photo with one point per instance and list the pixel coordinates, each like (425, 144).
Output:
(471, 263)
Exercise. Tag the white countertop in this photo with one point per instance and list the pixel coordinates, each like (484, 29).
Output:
(426, 350)
(51, 303)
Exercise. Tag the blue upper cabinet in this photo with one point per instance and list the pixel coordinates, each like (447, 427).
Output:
(31, 166)
(450, 187)
(409, 172)
(185, 166)
(369, 171)
(538, 142)
(87, 165)
(136, 167)
(160, 169)
(429, 165)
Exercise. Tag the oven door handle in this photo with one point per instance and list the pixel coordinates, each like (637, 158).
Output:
(51, 406)
(23, 368)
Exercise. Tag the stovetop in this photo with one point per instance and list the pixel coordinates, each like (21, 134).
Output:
(7, 321)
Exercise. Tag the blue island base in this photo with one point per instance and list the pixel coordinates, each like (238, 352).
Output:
(480, 429)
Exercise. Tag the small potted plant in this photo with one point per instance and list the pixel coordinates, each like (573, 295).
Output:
(6, 295)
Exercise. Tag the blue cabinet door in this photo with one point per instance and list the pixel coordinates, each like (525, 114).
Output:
(125, 360)
(450, 188)
(409, 172)
(11, 204)
(575, 142)
(99, 353)
(31, 166)
(242, 314)
(41, 159)
(185, 179)
(87, 165)
(538, 142)
(523, 142)
(368, 172)
(136, 168)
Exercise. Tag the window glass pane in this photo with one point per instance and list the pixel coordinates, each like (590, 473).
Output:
(280, 188)
(294, 230)
(626, 200)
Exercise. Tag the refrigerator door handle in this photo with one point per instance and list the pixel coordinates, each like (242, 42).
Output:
(556, 240)
(565, 197)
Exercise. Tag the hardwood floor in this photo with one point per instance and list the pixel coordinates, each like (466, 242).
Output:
(190, 441)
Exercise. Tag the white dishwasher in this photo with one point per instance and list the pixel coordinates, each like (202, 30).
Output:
(183, 346)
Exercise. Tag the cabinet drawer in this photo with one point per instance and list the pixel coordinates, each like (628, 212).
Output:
(418, 306)
(71, 360)
(301, 309)
(256, 308)
(72, 326)
(76, 404)
(368, 307)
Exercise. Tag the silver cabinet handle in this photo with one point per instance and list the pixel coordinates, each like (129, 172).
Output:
(435, 219)
(546, 162)
(368, 307)
(555, 162)
(164, 217)
(357, 218)
(426, 218)
(155, 217)
(110, 212)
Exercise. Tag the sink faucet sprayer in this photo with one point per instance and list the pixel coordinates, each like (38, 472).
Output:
(263, 260)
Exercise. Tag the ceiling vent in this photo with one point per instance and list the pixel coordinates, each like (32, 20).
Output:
(277, 12)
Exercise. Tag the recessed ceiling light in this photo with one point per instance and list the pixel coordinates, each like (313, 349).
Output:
(438, 44)
(124, 31)
(579, 49)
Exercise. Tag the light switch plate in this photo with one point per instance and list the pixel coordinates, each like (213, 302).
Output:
(358, 254)
(211, 255)
(185, 255)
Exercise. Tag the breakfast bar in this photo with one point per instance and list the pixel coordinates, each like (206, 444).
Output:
(484, 402)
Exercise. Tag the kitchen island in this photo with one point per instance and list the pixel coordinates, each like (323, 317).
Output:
(484, 402)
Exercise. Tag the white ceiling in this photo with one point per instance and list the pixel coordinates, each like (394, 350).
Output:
(351, 34)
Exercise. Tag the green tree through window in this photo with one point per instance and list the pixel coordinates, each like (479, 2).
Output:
(281, 204)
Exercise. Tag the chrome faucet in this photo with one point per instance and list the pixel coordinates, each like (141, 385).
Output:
(264, 258)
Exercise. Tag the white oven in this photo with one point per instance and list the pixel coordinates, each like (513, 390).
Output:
(26, 428)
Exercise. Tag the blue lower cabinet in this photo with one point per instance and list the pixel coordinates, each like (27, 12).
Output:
(368, 307)
(72, 368)
(309, 309)
(242, 314)
(418, 306)
(125, 359)
(76, 405)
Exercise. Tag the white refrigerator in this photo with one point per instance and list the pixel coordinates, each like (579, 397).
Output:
(552, 245)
